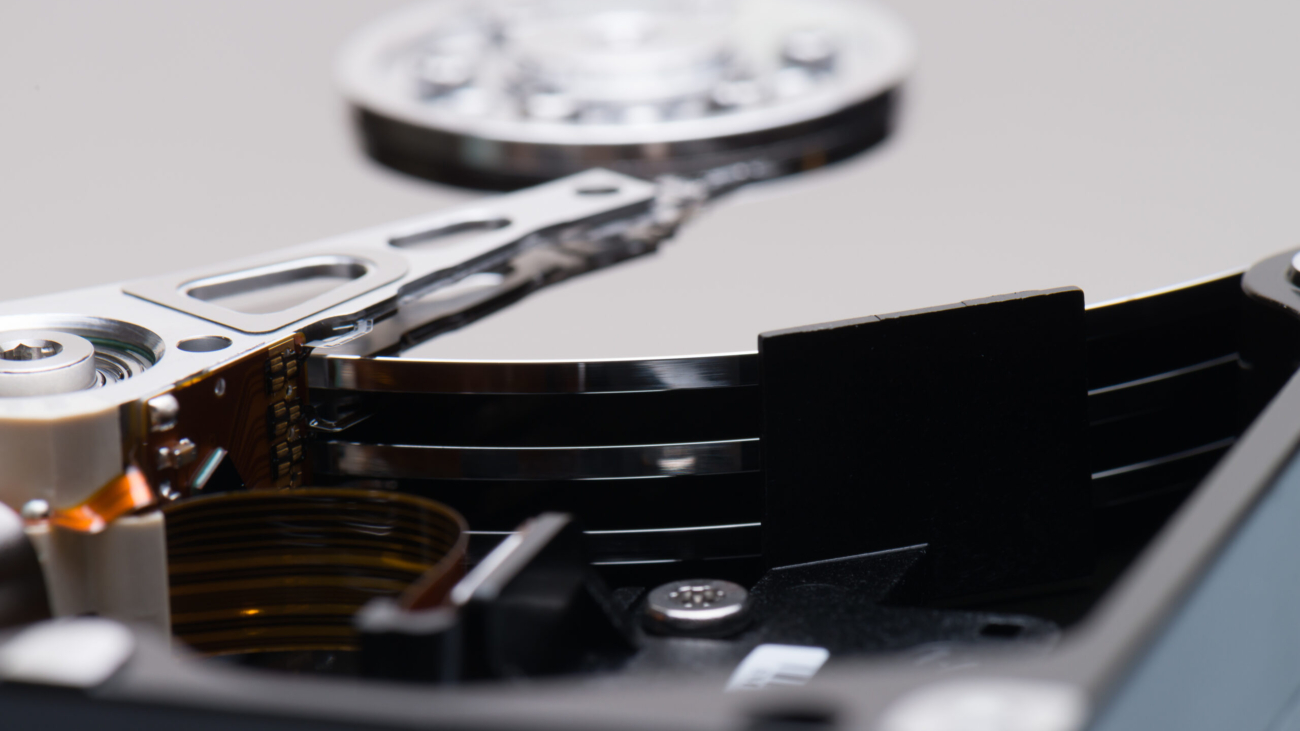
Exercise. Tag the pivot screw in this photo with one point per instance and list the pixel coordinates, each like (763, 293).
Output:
(708, 607)
(29, 349)
(45, 362)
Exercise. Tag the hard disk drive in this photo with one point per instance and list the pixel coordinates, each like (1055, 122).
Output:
(692, 364)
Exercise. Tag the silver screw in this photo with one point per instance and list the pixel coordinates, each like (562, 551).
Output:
(219, 388)
(36, 510)
(163, 411)
(45, 362)
(697, 606)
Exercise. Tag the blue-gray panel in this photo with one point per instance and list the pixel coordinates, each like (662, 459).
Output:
(1230, 657)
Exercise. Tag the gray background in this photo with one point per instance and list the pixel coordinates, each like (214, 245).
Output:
(1118, 145)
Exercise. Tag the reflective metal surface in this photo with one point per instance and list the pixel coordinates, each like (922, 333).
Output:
(505, 93)
(538, 463)
(634, 547)
(663, 545)
(413, 375)
(417, 256)
(208, 295)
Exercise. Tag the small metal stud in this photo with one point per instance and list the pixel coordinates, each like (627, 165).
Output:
(36, 510)
(163, 412)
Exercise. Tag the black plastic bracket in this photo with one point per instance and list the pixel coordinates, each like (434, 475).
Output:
(961, 426)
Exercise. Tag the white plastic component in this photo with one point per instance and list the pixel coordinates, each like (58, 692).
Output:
(62, 459)
(57, 450)
(63, 558)
(120, 573)
(80, 652)
(128, 571)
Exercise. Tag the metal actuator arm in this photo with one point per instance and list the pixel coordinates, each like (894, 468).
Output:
(402, 280)
(366, 292)
(373, 291)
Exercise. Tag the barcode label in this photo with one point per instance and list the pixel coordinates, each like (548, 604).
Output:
(768, 665)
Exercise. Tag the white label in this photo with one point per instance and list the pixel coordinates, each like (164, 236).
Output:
(768, 665)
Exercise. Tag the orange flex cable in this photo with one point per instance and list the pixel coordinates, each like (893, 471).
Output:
(123, 494)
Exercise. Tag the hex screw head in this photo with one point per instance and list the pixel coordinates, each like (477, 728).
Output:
(29, 349)
(708, 607)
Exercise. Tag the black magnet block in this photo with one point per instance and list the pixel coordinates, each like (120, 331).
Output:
(535, 607)
(401, 644)
(961, 426)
